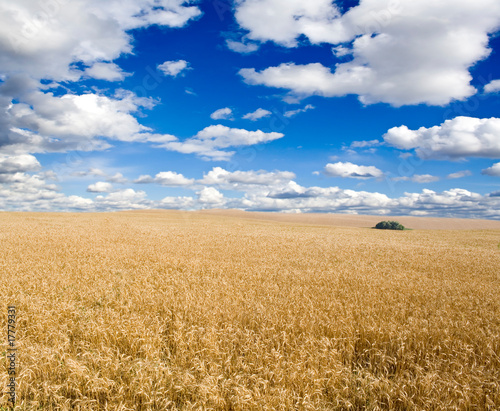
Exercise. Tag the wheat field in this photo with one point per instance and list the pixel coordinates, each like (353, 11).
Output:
(204, 311)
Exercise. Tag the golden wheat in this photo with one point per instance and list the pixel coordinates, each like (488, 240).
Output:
(174, 310)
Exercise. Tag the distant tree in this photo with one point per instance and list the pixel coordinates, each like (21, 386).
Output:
(390, 225)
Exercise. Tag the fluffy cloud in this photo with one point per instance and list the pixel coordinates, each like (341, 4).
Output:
(177, 203)
(106, 71)
(43, 122)
(492, 87)
(16, 164)
(257, 114)
(210, 195)
(208, 142)
(456, 139)
(450, 203)
(283, 22)
(100, 187)
(493, 171)
(35, 37)
(401, 53)
(320, 199)
(165, 178)
(127, 199)
(263, 191)
(222, 114)
(350, 170)
(246, 180)
(173, 68)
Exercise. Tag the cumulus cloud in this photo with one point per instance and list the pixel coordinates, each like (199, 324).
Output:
(37, 43)
(222, 114)
(263, 190)
(257, 114)
(35, 37)
(127, 199)
(208, 142)
(350, 170)
(246, 180)
(106, 71)
(401, 53)
(173, 68)
(493, 171)
(492, 87)
(455, 139)
(100, 187)
(165, 178)
(18, 164)
(292, 113)
(177, 203)
(43, 122)
(210, 195)
(455, 202)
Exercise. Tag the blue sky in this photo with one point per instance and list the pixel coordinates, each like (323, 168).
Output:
(373, 107)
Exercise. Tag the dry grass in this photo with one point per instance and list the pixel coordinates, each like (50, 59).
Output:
(170, 310)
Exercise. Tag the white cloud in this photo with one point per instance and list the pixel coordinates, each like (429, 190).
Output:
(402, 53)
(350, 170)
(222, 114)
(257, 114)
(246, 180)
(36, 38)
(291, 113)
(165, 178)
(65, 41)
(452, 203)
(365, 144)
(493, 171)
(177, 203)
(270, 191)
(492, 87)
(208, 142)
(173, 68)
(127, 199)
(43, 122)
(20, 163)
(284, 21)
(320, 199)
(341, 51)
(459, 174)
(106, 71)
(458, 138)
(210, 195)
(418, 178)
(424, 178)
(242, 47)
(117, 178)
(100, 187)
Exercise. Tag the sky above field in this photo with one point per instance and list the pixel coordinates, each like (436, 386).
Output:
(368, 107)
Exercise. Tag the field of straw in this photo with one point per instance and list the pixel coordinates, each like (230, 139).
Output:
(184, 311)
